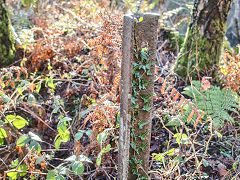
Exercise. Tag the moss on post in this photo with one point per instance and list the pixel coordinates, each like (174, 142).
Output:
(203, 44)
(7, 43)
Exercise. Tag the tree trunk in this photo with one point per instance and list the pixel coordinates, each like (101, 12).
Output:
(7, 44)
(204, 39)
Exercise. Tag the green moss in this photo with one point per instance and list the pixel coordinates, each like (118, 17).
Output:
(199, 53)
(7, 42)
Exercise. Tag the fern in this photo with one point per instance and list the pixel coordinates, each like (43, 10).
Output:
(215, 102)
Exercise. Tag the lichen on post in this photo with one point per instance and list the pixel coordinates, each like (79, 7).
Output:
(203, 43)
(7, 43)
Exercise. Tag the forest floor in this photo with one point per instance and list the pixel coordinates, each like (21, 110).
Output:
(60, 100)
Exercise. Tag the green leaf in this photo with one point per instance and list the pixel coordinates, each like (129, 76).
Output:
(174, 122)
(35, 137)
(79, 135)
(5, 98)
(102, 137)
(59, 177)
(1, 141)
(78, 167)
(107, 148)
(89, 132)
(65, 136)
(1, 122)
(218, 134)
(181, 138)
(3, 133)
(12, 175)
(63, 132)
(9, 118)
(140, 19)
(141, 124)
(14, 163)
(99, 159)
(58, 143)
(50, 84)
(55, 110)
(61, 128)
(235, 165)
(31, 98)
(71, 158)
(170, 152)
(63, 170)
(36, 146)
(67, 119)
(83, 158)
(19, 122)
(38, 87)
(51, 175)
(40, 159)
(23, 140)
(20, 91)
(22, 167)
(159, 157)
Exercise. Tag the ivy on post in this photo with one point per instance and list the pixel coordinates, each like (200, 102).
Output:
(139, 46)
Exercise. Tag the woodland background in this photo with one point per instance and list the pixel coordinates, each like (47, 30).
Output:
(59, 99)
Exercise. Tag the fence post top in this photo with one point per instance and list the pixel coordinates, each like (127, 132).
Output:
(142, 15)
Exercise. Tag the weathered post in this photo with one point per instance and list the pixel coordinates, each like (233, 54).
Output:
(139, 46)
(125, 100)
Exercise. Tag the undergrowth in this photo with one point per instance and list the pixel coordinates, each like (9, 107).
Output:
(59, 102)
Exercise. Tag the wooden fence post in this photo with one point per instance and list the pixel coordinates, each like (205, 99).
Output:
(125, 99)
(139, 46)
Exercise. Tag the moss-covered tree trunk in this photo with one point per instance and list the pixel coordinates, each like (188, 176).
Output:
(7, 44)
(204, 39)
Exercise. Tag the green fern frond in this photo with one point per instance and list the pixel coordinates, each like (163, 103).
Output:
(215, 102)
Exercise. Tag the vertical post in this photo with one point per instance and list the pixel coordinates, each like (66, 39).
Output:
(125, 99)
(145, 36)
(139, 47)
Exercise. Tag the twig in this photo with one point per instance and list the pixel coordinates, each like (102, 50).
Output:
(34, 115)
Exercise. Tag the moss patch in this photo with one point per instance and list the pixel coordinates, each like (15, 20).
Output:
(7, 48)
